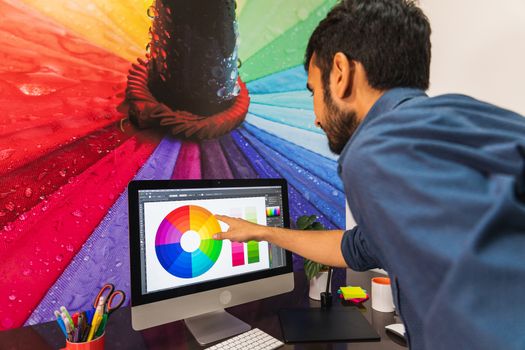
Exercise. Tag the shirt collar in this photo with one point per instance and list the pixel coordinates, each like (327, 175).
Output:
(390, 100)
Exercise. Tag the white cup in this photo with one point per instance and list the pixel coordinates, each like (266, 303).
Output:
(382, 300)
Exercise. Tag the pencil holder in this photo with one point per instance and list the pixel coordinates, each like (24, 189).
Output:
(95, 344)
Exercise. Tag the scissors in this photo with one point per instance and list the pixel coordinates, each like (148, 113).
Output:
(109, 293)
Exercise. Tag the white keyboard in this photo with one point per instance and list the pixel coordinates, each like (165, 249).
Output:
(254, 339)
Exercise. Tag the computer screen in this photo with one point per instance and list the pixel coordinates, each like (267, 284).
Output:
(175, 258)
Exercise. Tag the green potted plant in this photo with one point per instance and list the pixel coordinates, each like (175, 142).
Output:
(316, 273)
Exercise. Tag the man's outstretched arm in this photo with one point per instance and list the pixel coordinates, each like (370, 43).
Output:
(321, 246)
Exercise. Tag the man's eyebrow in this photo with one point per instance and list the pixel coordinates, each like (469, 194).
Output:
(308, 87)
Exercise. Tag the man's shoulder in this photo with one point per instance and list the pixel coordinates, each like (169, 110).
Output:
(422, 122)
(446, 113)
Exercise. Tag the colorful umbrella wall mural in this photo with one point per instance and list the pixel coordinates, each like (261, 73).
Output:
(66, 155)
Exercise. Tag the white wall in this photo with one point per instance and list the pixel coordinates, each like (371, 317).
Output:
(479, 49)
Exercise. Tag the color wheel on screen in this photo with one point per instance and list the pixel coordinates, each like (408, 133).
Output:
(184, 242)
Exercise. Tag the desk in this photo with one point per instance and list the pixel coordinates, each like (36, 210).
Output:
(261, 314)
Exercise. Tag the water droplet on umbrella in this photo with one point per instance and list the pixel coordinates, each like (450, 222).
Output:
(12, 297)
(6, 153)
(86, 258)
(302, 13)
(42, 175)
(69, 247)
(22, 217)
(26, 272)
(59, 257)
(236, 90)
(118, 264)
(77, 213)
(10, 206)
(28, 192)
(236, 28)
(63, 173)
(222, 92)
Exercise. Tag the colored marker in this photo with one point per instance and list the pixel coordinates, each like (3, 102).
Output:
(80, 327)
(75, 319)
(96, 322)
(61, 323)
(75, 335)
(102, 326)
(89, 314)
(64, 310)
(69, 329)
(86, 333)
(65, 320)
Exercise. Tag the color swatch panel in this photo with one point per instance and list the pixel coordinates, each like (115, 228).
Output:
(237, 254)
(174, 226)
(250, 214)
(253, 252)
(273, 211)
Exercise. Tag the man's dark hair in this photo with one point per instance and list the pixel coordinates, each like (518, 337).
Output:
(391, 39)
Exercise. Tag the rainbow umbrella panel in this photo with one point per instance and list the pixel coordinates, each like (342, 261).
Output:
(68, 151)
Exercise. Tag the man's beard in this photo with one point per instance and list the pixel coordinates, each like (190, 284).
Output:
(339, 126)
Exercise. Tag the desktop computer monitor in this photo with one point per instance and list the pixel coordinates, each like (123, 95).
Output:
(178, 271)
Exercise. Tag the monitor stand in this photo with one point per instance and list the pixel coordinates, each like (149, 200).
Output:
(216, 325)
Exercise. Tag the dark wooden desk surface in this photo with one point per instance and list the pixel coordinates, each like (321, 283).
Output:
(261, 314)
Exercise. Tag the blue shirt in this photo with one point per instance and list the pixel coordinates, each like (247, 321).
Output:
(437, 188)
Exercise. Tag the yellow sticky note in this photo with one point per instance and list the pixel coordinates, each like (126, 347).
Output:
(353, 292)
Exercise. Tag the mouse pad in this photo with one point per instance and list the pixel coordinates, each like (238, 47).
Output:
(325, 325)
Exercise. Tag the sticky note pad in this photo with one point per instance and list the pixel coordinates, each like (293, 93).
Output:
(353, 292)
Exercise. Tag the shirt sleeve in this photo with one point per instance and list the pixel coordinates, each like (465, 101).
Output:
(356, 251)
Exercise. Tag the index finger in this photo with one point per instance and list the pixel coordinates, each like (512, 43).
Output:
(224, 218)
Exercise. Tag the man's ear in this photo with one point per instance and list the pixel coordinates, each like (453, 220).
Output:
(342, 75)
